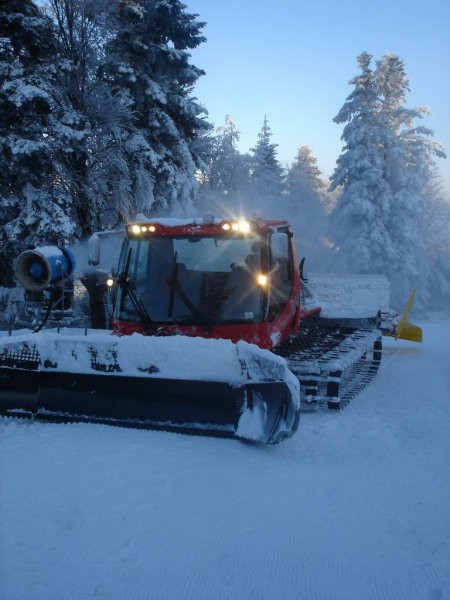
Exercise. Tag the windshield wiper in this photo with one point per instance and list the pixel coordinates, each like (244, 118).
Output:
(129, 287)
(171, 282)
(175, 288)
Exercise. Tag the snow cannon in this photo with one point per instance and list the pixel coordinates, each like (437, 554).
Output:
(44, 267)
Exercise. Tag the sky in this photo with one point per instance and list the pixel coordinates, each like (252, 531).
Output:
(292, 59)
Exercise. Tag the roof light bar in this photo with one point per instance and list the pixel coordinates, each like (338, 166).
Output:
(236, 226)
(241, 226)
(138, 229)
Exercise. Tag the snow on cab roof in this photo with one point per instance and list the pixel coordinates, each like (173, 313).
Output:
(175, 222)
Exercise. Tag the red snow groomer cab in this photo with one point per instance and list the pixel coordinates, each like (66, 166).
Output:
(215, 278)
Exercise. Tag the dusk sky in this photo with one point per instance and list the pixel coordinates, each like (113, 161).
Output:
(292, 61)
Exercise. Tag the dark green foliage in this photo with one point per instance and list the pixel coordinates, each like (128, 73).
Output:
(147, 67)
(31, 210)
(97, 121)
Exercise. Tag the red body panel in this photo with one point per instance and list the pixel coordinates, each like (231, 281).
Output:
(267, 334)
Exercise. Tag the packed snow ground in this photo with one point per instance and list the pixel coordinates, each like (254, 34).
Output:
(354, 507)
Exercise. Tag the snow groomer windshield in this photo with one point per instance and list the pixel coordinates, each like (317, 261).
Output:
(192, 279)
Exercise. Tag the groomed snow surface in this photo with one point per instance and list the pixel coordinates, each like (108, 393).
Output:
(354, 506)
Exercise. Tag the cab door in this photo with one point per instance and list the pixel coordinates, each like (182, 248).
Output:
(282, 305)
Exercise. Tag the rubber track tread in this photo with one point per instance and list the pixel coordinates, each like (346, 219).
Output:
(333, 364)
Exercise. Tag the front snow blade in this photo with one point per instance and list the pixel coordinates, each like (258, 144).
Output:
(262, 411)
(210, 407)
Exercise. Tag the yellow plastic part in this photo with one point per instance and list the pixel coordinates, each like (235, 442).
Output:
(411, 332)
(406, 330)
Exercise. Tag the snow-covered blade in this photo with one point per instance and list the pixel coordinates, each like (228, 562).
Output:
(178, 383)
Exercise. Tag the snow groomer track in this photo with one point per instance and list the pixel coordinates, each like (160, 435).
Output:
(333, 364)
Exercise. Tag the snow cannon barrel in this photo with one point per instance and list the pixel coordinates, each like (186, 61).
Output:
(44, 267)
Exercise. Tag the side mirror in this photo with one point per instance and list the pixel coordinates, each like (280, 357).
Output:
(94, 250)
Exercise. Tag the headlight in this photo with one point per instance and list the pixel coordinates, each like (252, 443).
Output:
(262, 280)
(244, 226)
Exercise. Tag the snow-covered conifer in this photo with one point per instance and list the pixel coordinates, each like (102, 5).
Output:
(435, 228)
(225, 180)
(408, 154)
(305, 186)
(360, 220)
(385, 170)
(89, 120)
(147, 67)
(224, 173)
(306, 194)
(266, 182)
(32, 207)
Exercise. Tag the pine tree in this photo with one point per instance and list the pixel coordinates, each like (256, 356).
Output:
(361, 218)
(224, 172)
(267, 174)
(147, 68)
(225, 178)
(403, 271)
(305, 186)
(305, 197)
(408, 154)
(33, 210)
(435, 228)
(385, 172)
(90, 165)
